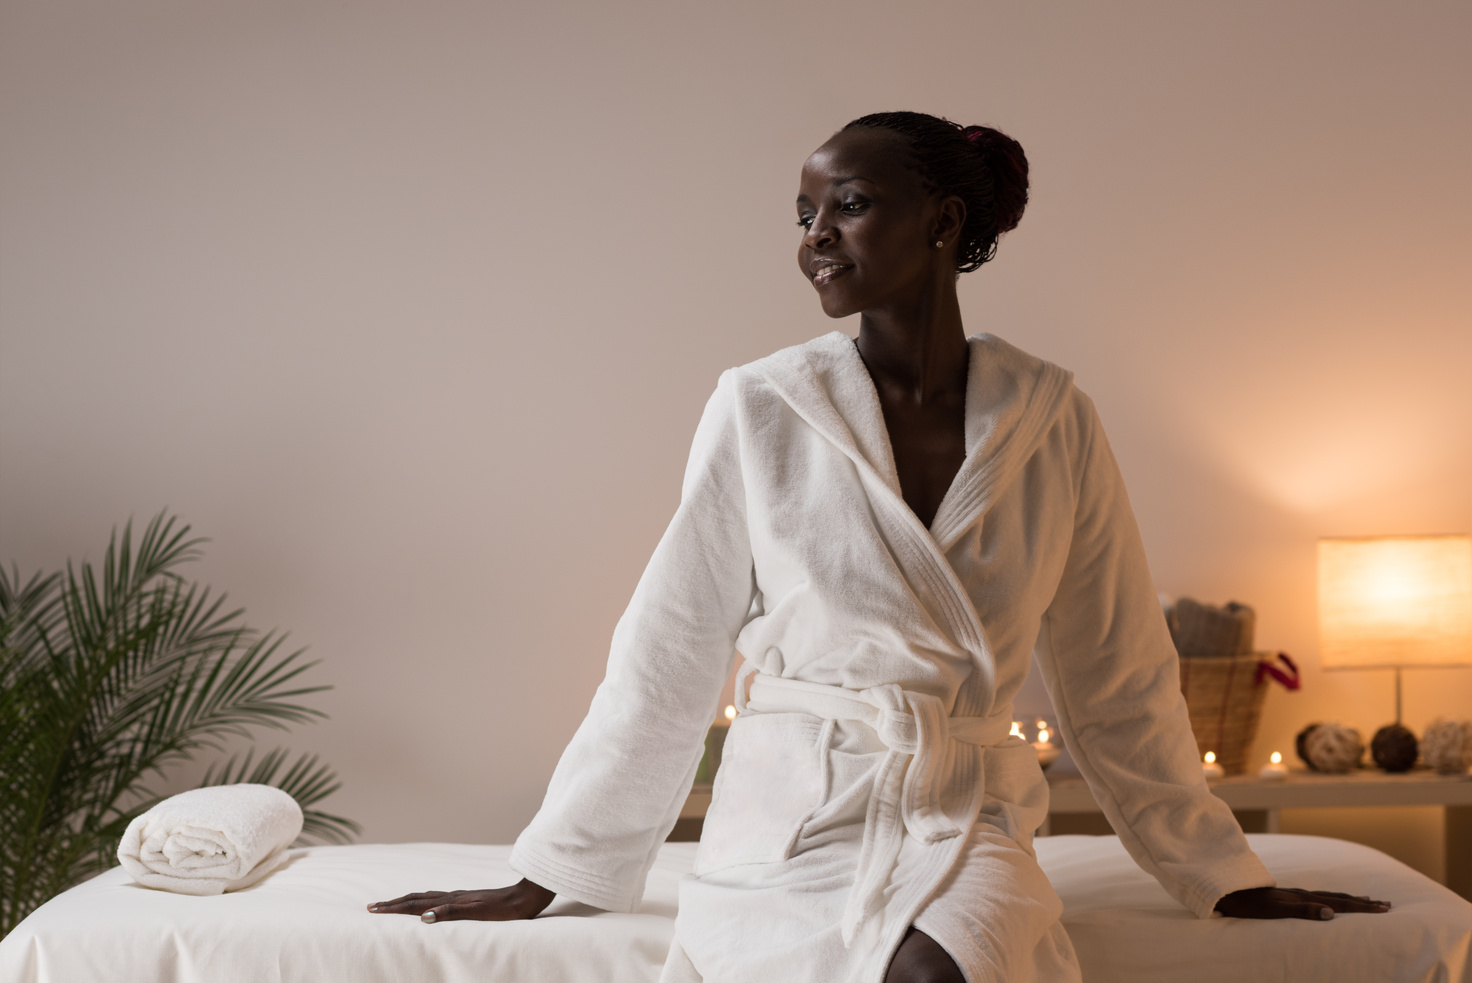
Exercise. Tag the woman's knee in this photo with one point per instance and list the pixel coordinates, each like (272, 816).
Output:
(920, 959)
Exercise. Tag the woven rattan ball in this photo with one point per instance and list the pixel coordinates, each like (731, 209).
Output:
(1394, 748)
(1334, 747)
(1300, 744)
(1446, 745)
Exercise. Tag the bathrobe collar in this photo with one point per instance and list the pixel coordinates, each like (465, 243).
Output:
(1012, 398)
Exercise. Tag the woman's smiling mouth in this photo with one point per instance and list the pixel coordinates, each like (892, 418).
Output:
(826, 270)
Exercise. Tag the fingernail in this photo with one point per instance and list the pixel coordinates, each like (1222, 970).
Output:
(1326, 913)
(427, 918)
(373, 907)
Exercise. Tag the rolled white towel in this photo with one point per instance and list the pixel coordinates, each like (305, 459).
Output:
(211, 840)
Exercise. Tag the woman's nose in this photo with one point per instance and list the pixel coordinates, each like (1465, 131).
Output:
(821, 233)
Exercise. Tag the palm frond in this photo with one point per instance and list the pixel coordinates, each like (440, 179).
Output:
(110, 676)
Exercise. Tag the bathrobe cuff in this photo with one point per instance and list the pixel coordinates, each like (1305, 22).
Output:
(573, 882)
(1245, 872)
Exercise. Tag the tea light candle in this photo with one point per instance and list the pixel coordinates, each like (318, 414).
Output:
(1210, 768)
(1274, 770)
(1017, 729)
(1047, 751)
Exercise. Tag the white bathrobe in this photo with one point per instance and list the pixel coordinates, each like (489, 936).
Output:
(869, 783)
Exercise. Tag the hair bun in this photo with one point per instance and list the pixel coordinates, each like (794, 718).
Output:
(1008, 165)
(983, 167)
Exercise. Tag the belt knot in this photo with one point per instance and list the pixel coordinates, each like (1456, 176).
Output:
(917, 731)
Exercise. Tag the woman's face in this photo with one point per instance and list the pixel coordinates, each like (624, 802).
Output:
(869, 225)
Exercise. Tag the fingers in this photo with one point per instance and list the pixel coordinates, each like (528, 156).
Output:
(478, 906)
(409, 904)
(1329, 894)
(1310, 905)
(1277, 907)
(525, 900)
(1296, 903)
(1355, 904)
(456, 913)
(1344, 902)
(1309, 910)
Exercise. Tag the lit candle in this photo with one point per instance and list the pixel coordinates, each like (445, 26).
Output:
(1274, 770)
(730, 713)
(1210, 768)
(1047, 751)
(1017, 729)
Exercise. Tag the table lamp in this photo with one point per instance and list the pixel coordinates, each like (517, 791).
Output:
(1395, 602)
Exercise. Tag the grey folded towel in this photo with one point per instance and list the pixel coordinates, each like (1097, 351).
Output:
(1207, 630)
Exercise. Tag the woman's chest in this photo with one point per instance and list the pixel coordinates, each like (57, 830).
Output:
(850, 583)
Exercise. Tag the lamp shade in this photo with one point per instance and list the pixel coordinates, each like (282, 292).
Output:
(1395, 601)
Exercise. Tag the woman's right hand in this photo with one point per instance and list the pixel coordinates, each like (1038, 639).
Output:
(502, 904)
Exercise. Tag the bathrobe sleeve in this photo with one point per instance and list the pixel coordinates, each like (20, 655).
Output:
(1109, 664)
(619, 786)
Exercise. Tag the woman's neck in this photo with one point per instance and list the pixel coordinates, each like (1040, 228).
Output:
(920, 351)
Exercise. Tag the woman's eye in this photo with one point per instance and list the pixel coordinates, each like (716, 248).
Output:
(805, 221)
(854, 206)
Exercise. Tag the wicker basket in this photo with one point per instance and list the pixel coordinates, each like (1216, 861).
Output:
(1224, 695)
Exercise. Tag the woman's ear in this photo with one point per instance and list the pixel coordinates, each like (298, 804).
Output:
(949, 219)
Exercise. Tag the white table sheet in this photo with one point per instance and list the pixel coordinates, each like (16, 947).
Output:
(307, 921)
(1127, 929)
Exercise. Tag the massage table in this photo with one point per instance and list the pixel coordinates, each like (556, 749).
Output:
(308, 921)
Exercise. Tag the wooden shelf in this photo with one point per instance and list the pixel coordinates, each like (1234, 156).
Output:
(1301, 790)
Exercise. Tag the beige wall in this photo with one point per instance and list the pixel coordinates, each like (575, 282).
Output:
(412, 307)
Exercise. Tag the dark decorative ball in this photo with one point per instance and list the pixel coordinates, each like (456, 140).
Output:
(1394, 748)
(1300, 742)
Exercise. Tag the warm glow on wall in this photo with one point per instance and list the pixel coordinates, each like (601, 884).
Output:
(1395, 601)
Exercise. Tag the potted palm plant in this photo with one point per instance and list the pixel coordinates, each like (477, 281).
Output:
(110, 678)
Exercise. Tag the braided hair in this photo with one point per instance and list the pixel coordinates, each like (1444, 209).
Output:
(983, 167)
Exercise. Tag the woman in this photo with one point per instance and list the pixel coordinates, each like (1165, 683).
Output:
(887, 530)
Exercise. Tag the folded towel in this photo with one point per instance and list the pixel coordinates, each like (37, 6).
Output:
(1206, 630)
(211, 840)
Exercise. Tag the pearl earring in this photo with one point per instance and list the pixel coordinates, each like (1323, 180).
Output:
(938, 244)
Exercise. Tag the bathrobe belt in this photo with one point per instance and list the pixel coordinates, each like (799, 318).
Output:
(917, 730)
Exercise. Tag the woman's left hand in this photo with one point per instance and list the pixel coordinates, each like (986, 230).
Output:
(1292, 902)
